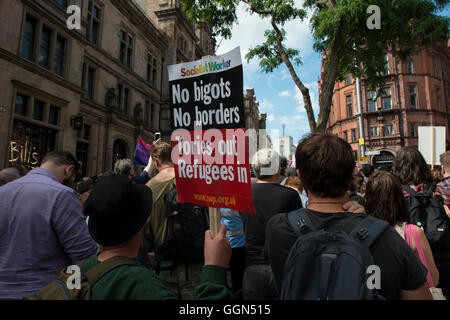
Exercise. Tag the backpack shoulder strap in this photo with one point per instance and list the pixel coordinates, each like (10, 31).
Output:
(369, 230)
(171, 203)
(429, 188)
(98, 271)
(300, 222)
(409, 190)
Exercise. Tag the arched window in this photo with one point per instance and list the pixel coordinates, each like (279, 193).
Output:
(119, 151)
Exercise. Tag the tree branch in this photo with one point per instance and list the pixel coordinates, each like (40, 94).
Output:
(328, 3)
(253, 9)
(303, 89)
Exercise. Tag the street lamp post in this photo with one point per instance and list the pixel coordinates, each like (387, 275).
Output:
(360, 118)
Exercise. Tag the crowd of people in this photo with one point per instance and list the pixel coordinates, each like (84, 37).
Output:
(129, 230)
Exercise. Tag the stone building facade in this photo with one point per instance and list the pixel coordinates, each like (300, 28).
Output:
(417, 93)
(256, 121)
(186, 42)
(93, 90)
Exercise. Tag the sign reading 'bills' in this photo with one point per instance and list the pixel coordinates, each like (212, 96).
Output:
(210, 151)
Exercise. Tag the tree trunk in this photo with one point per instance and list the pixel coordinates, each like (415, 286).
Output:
(327, 86)
(303, 89)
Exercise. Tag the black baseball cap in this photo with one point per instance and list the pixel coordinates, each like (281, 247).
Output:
(117, 209)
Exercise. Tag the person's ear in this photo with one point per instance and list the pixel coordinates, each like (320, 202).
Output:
(70, 170)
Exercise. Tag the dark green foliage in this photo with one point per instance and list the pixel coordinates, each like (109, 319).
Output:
(339, 28)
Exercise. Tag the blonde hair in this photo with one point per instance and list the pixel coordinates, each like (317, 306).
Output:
(294, 181)
(162, 151)
(445, 160)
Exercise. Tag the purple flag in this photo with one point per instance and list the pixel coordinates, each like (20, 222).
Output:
(142, 153)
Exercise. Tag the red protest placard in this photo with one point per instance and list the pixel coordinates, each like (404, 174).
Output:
(210, 151)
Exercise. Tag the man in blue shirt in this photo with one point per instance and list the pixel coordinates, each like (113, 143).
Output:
(42, 228)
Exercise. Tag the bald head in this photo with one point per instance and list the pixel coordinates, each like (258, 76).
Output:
(8, 175)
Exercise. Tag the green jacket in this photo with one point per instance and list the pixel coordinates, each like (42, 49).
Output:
(139, 283)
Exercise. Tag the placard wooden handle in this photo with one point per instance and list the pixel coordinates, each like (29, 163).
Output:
(214, 220)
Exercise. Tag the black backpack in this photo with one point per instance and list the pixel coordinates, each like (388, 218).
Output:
(187, 224)
(427, 211)
(326, 265)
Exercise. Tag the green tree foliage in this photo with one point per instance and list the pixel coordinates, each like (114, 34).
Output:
(340, 31)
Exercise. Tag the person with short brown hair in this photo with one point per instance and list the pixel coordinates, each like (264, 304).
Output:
(162, 152)
(8, 175)
(180, 275)
(325, 164)
(42, 227)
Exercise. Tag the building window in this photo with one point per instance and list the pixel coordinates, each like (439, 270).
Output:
(87, 132)
(51, 48)
(389, 130)
(386, 66)
(119, 96)
(59, 55)
(21, 105)
(413, 130)
(374, 131)
(386, 99)
(123, 99)
(82, 155)
(38, 110)
(182, 44)
(435, 66)
(345, 136)
(155, 65)
(53, 115)
(151, 69)
(126, 48)
(32, 135)
(413, 96)
(83, 144)
(29, 143)
(371, 103)
(353, 135)
(90, 82)
(438, 98)
(347, 79)
(94, 21)
(28, 38)
(355, 154)
(63, 3)
(348, 101)
(44, 48)
(410, 67)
